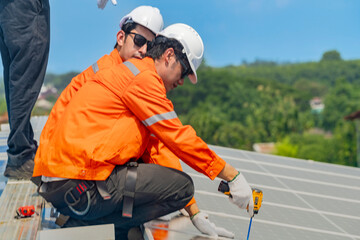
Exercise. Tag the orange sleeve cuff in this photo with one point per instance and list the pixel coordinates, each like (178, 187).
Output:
(192, 201)
(216, 168)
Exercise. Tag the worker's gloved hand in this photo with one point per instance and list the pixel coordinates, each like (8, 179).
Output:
(241, 194)
(102, 3)
(202, 223)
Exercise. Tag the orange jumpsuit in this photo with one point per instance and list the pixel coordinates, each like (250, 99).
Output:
(109, 121)
(76, 83)
(156, 151)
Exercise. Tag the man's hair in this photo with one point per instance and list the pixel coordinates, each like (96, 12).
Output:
(158, 46)
(127, 27)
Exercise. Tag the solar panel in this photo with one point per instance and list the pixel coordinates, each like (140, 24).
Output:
(303, 199)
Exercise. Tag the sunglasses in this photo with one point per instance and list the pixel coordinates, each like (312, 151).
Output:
(139, 40)
(186, 69)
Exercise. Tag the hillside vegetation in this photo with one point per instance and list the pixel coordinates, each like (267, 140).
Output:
(237, 106)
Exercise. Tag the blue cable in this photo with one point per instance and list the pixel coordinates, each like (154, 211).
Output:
(249, 228)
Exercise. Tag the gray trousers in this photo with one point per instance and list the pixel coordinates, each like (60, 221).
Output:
(24, 45)
(159, 191)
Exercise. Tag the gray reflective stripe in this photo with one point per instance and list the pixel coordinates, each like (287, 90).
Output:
(159, 117)
(95, 67)
(132, 68)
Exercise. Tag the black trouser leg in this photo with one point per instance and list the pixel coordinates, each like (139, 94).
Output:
(24, 45)
(159, 191)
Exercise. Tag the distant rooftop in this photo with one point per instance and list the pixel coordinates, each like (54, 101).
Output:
(267, 148)
(317, 105)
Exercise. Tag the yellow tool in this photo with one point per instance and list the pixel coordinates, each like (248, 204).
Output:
(257, 197)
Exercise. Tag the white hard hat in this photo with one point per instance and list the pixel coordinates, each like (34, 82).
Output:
(192, 43)
(146, 16)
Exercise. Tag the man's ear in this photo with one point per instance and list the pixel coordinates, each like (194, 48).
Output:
(168, 54)
(120, 38)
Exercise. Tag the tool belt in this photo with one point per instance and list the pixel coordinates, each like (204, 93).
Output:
(68, 194)
(129, 191)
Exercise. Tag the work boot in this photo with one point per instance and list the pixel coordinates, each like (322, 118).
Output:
(24, 171)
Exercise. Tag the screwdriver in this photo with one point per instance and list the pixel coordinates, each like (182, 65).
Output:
(257, 198)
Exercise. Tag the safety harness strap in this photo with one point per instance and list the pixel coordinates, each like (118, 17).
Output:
(101, 187)
(129, 191)
(72, 196)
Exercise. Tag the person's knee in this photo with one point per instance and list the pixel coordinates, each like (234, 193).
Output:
(165, 184)
(186, 190)
(189, 187)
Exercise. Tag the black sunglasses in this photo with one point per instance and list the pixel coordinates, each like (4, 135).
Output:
(186, 69)
(139, 40)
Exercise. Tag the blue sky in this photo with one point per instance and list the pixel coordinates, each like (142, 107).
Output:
(232, 30)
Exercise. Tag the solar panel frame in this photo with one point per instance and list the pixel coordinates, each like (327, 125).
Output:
(303, 199)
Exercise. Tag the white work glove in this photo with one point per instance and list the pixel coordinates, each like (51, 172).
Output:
(241, 194)
(102, 3)
(202, 223)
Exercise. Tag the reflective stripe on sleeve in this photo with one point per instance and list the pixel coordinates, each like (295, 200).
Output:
(132, 68)
(159, 117)
(156, 118)
(95, 67)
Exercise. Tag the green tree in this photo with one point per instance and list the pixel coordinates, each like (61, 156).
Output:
(345, 144)
(235, 135)
(341, 100)
(332, 55)
(237, 106)
(316, 147)
(205, 119)
(59, 81)
(286, 148)
(3, 107)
